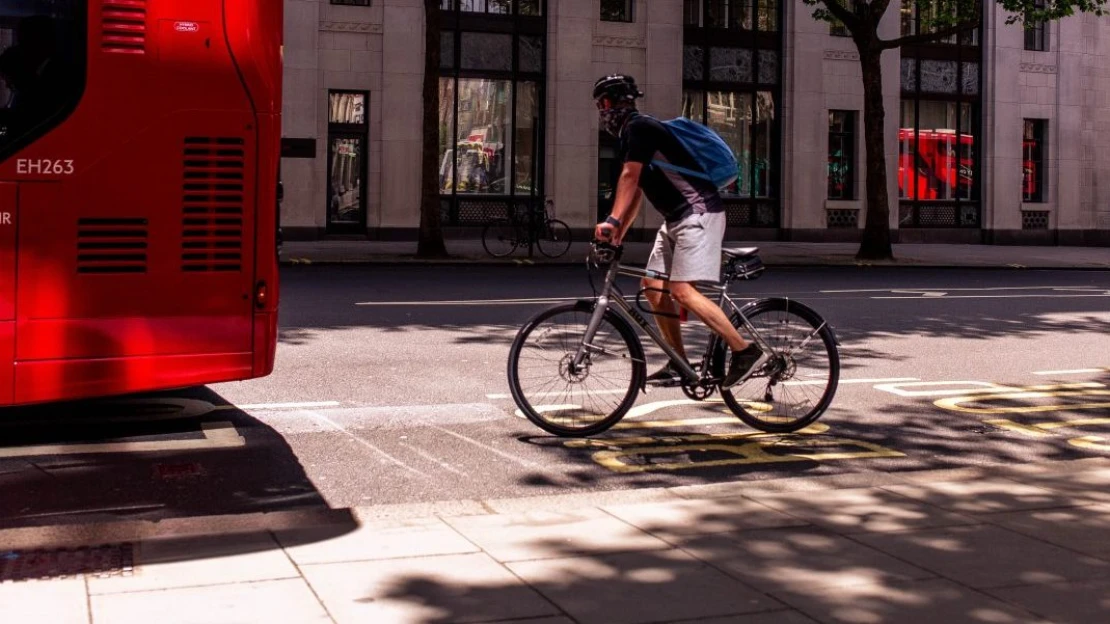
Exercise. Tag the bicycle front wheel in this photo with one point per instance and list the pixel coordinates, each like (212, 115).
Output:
(500, 238)
(795, 387)
(568, 401)
(554, 239)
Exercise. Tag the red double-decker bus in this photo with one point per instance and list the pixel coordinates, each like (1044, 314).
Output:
(139, 148)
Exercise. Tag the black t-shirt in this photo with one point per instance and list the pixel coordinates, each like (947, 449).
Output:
(672, 193)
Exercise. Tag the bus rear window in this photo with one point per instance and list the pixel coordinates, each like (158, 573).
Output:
(42, 67)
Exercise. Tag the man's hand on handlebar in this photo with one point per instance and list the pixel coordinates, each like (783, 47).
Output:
(608, 231)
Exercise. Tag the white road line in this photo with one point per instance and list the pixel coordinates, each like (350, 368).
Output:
(1076, 371)
(987, 289)
(338, 427)
(514, 459)
(849, 381)
(789, 383)
(1029, 296)
(557, 393)
(435, 460)
(468, 302)
(277, 406)
(216, 436)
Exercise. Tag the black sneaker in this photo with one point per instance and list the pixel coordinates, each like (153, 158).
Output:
(666, 376)
(743, 364)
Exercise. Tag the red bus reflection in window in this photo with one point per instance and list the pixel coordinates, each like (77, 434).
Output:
(933, 168)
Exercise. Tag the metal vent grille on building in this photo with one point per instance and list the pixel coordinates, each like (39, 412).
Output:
(212, 218)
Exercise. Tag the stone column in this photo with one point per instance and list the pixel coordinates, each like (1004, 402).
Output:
(301, 215)
(402, 105)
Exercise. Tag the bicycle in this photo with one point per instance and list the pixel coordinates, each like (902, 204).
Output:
(599, 341)
(552, 236)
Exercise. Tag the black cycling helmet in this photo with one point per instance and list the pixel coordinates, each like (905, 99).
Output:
(617, 87)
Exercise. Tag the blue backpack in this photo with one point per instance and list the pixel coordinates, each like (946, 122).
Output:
(709, 150)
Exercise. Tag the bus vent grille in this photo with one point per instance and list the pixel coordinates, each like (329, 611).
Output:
(111, 246)
(124, 26)
(213, 204)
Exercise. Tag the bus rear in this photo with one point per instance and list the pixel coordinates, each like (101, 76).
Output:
(139, 146)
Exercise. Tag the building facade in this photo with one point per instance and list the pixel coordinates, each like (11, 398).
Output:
(997, 136)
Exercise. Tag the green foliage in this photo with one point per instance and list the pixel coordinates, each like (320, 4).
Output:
(942, 17)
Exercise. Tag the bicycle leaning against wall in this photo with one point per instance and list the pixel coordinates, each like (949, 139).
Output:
(575, 369)
(502, 236)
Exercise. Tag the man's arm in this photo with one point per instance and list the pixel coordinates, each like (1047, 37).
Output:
(626, 204)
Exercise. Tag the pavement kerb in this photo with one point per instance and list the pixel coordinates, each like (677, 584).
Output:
(81, 534)
(342, 521)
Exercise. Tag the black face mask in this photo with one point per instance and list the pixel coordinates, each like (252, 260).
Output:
(612, 120)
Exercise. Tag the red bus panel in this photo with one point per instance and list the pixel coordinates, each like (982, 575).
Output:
(146, 211)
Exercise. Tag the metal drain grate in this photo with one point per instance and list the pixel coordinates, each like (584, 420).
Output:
(100, 561)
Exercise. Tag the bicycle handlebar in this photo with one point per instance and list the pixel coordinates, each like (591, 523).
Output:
(605, 251)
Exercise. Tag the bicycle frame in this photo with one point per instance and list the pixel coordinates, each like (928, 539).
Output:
(628, 313)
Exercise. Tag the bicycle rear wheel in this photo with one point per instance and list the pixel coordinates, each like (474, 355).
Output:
(500, 238)
(796, 386)
(554, 239)
(571, 402)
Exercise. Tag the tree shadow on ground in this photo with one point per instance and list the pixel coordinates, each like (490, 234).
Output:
(978, 548)
(185, 469)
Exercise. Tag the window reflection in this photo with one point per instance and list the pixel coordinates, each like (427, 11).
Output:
(40, 62)
(345, 181)
(347, 108)
(937, 162)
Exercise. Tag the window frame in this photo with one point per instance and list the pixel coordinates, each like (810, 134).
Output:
(65, 109)
(1036, 32)
(360, 131)
(849, 139)
(750, 210)
(964, 50)
(519, 26)
(355, 3)
(1039, 158)
(626, 15)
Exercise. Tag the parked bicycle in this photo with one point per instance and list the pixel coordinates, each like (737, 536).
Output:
(575, 369)
(502, 237)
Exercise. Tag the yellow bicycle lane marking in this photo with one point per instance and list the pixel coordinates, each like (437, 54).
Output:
(985, 399)
(684, 451)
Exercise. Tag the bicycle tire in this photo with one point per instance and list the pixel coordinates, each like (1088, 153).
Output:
(557, 234)
(636, 381)
(828, 339)
(497, 228)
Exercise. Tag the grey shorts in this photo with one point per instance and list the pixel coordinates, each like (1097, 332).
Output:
(689, 250)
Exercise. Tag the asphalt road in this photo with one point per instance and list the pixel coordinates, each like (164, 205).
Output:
(391, 388)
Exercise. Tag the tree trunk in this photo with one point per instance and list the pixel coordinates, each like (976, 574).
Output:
(430, 237)
(876, 233)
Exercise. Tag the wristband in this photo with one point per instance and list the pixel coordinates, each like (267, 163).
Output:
(613, 221)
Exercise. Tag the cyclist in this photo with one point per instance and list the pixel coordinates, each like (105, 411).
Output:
(688, 245)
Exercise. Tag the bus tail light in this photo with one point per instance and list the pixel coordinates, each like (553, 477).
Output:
(261, 295)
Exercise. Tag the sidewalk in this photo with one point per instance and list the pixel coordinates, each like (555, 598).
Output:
(772, 253)
(980, 544)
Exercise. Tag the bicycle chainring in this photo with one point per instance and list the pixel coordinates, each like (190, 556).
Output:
(697, 391)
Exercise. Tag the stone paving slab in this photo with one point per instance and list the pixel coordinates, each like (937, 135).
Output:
(799, 558)
(1063, 603)
(987, 556)
(425, 590)
(1082, 529)
(699, 517)
(933, 601)
(57, 602)
(983, 544)
(268, 601)
(169, 564)
(987, 497)
(640, 588)
(381, 539)
(550, 535)
(863, 510)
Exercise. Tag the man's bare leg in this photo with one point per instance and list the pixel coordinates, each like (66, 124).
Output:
(710, 313)
(663, 303)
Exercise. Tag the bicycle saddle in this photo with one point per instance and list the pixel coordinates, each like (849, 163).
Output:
(740, 252)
